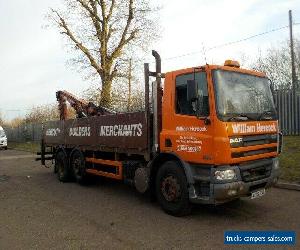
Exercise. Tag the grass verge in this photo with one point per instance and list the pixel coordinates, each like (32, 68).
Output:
(32, 147)
(290, 159)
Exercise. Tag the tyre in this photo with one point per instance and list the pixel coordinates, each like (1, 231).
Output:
(55, 169)
(78, 167)
(5, 148)
(172, 189)
(61, 165)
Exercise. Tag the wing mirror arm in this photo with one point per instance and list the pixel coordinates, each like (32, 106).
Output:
(193, 95)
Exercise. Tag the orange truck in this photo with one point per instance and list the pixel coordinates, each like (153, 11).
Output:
(209, 136)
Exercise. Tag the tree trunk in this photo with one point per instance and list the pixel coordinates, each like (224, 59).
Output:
(129, 85)
(106, 94)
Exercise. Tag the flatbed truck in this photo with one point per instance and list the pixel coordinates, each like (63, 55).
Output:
(209, 136)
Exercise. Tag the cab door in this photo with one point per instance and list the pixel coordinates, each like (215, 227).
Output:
(187, 131)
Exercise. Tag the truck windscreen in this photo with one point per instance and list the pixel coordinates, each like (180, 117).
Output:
(242, 97)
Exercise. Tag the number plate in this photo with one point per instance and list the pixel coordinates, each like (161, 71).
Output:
(258, 193)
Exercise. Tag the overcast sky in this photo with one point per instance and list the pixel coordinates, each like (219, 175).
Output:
(33, 58)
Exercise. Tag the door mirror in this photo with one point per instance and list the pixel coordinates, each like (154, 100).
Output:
(191, 90)
(272, 86)
(200, 105)
(273, 91)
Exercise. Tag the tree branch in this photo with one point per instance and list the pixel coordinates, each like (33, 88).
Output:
(91, 12)
(111, 9)
(123, 41)
(62, 24)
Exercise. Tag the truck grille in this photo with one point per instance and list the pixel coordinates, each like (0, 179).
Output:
(253, 152)
(256, 170)
(252, 140)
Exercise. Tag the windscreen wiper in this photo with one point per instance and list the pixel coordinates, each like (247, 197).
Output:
(240, 117)
(267, 114)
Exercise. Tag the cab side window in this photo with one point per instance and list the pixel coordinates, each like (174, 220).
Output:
(183, 106)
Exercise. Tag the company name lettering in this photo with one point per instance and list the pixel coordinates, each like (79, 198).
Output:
(244, 128)
(191, 129)
(80, 131)
(52, 131)
(121, 130)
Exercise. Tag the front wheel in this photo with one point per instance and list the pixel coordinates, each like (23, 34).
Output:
(61, 164)
(172, 189)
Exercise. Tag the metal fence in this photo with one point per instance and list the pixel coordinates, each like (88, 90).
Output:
(288, 106)
(24, 133)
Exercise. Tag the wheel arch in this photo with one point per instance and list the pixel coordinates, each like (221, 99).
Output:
(61, 148)
(160, 159)
(73, 150)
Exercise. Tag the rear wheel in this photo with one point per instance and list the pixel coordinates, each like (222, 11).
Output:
(78, 167)
(172, 189)
(63, 172)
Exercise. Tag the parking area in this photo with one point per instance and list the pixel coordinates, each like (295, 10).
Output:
(38, 212)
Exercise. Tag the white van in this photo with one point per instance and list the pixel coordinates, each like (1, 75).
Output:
(3, 139)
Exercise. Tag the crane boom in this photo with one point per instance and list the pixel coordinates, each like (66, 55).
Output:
(81, 106)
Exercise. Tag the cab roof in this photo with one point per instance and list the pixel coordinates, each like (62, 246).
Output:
(213, 67)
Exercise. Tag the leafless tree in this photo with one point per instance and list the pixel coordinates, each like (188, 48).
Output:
(119, 96)
(1, 119)
(14, 122)
(276, 62)
(44, 113)
(106, 33)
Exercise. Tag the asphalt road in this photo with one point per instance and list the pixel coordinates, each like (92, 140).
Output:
(38, 212)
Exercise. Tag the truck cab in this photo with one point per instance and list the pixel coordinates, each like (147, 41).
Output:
(221, 122)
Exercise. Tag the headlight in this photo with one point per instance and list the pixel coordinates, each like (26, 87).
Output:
(276, 163)
(228, 174)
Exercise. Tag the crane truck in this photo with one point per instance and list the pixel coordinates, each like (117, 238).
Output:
(209, 136)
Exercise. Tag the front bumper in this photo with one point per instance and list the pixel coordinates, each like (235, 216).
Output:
(217, 193)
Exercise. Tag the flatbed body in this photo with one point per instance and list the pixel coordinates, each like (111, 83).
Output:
(211, 136)
(112, 133)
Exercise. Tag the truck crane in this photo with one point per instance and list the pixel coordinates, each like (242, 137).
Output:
(81, 106)
(210, 137)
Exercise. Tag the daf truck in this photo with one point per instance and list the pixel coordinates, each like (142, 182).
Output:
(208, 135)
